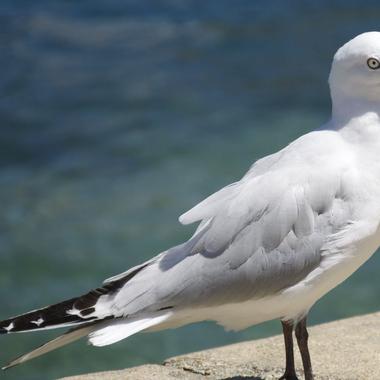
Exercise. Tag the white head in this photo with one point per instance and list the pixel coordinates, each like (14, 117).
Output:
(355, 77)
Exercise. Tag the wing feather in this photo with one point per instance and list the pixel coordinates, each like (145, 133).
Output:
(270, 224)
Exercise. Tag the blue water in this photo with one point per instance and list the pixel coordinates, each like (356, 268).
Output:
(117, 116)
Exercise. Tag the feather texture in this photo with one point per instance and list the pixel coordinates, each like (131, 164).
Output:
(123, 328)
(268, 246)
(68, 337)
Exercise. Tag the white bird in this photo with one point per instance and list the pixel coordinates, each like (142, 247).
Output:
(269, 246)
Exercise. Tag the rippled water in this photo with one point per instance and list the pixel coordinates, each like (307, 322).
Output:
(117, 116)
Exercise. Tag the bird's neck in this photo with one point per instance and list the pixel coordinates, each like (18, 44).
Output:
(357, 118)
(358, 122)
(346, 109)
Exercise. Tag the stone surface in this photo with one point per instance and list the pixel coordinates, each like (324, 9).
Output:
(342, 350)
(149, 371)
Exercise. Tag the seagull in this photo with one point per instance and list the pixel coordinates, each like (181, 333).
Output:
(268, 246)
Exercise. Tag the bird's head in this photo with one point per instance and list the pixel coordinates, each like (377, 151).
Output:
(355, 76)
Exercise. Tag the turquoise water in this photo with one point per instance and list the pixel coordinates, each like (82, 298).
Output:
(117, 117)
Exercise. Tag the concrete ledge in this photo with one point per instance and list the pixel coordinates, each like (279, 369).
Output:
(348, 349)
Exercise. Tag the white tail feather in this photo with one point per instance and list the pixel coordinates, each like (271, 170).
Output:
(121, 329)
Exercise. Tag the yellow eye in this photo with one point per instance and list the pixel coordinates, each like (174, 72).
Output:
(373, 63)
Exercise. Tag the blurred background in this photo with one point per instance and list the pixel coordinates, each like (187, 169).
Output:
(117, 116)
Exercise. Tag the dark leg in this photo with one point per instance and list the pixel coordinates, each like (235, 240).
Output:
(290, 372)
(302, 337)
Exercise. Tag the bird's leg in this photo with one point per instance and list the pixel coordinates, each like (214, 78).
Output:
(290, 372)
(302, 337)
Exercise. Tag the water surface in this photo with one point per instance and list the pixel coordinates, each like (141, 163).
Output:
(117, 116)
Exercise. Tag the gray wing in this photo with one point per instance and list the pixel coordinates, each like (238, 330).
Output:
(257, 236)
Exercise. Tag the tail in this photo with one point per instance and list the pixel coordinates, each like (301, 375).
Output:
(68, 337)
(71, 312)
(101, 333)
(49, 317)
(82, 314)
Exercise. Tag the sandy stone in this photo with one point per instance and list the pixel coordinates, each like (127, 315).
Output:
(342, 350)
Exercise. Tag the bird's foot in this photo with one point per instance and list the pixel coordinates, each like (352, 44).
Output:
(288, 376)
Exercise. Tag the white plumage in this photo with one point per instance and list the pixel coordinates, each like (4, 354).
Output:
(268, 246)
(124, 328)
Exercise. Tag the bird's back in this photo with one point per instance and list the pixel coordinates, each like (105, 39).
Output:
(258, 237)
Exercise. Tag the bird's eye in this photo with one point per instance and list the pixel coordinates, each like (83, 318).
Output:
(373, 63)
